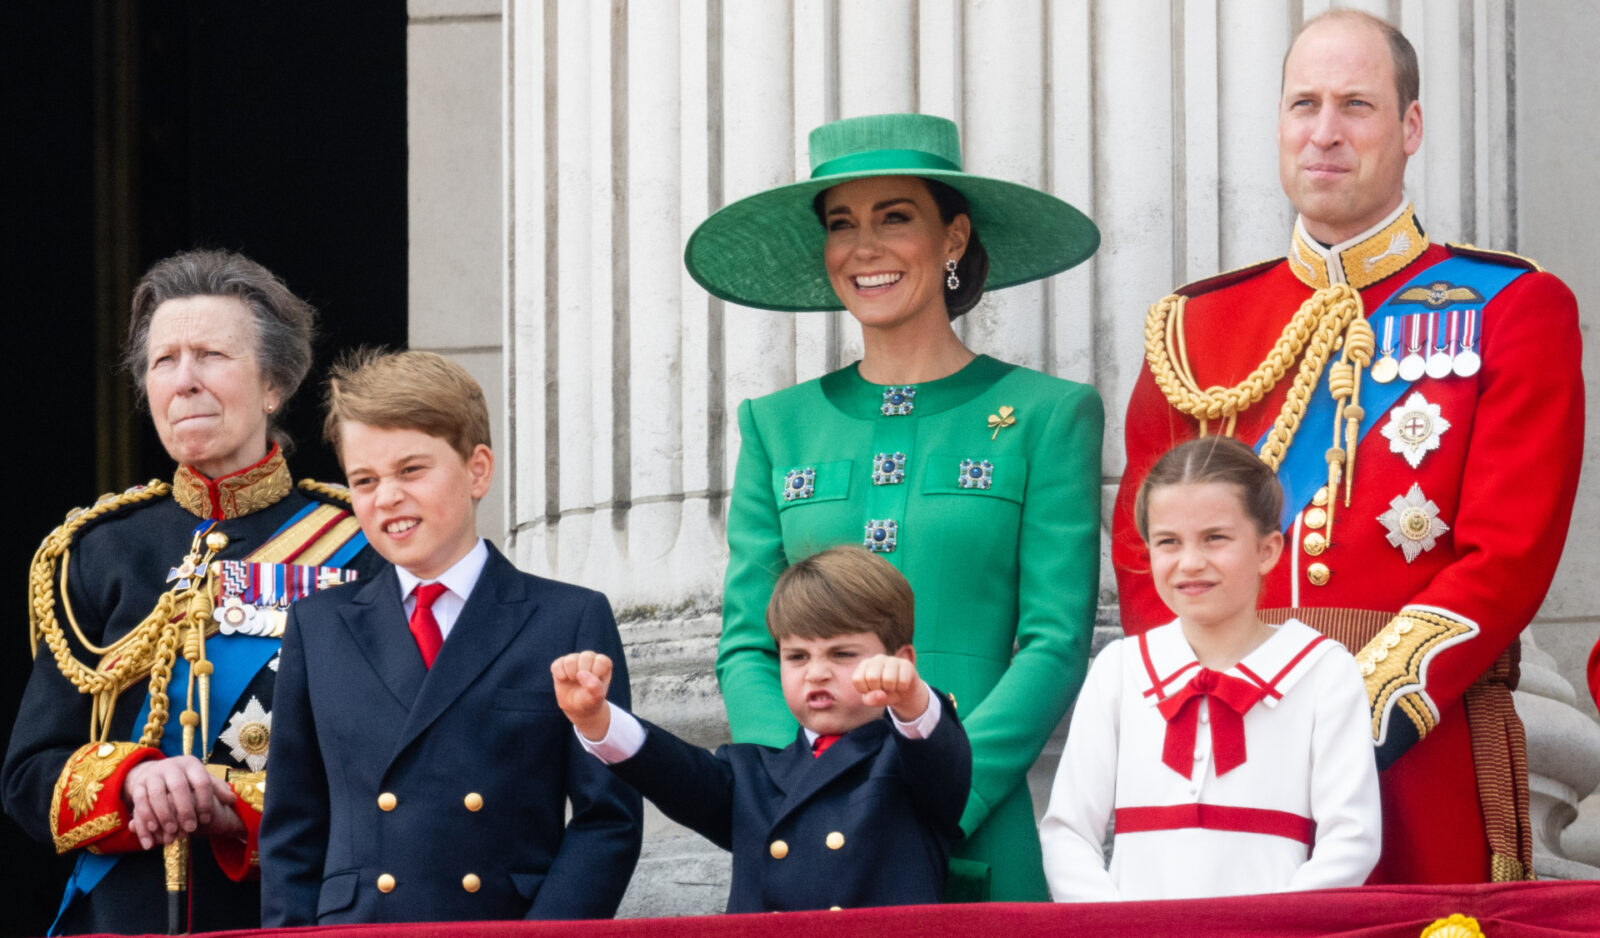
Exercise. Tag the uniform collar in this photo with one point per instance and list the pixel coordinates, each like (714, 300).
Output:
(236, 494)
(1381, 251)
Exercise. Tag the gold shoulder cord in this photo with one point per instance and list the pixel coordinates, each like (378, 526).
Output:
(326, 489)
(151, 646)
(1329, 319)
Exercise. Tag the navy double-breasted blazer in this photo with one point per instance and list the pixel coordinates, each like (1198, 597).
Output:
(400, 793)
(868, 823)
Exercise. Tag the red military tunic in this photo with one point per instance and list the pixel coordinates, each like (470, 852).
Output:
(1497, 454)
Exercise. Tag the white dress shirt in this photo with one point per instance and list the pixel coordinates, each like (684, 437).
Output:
(458, 582)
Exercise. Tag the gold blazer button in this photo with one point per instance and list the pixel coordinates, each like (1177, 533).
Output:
(835, 840)
(387, 801)
(470, 882)
(386, 883)
(473, 801)
(779, 849)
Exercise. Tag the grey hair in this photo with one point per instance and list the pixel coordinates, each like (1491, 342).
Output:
(284, 323)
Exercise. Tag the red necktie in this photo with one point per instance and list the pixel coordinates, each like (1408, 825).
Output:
(424, 627)
(823, 741)
(1231, 698)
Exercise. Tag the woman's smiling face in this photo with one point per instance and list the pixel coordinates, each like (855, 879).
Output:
(886, 250)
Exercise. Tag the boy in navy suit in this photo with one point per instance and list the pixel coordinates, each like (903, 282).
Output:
(431, 769)
(860, 809)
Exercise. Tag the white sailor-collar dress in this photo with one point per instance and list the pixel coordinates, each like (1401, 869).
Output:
(1292, 805)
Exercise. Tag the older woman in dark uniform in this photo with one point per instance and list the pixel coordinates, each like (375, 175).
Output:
(156, 614)
(978, 479)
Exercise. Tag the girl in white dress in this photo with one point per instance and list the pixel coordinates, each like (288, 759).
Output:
(1234, 756)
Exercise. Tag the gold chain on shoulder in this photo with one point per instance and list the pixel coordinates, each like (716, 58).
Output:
(1315, 329)
(326, 489)
(151, 645)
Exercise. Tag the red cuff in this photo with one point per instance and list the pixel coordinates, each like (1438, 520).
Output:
(88, 809)
(239, 859)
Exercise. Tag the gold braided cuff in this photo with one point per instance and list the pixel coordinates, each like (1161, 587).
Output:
(1395, 665)
(86, 806)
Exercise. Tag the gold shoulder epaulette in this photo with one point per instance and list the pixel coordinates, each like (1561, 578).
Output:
(332, 493)
(1498, 257)
(1226, 278)
(109, 504)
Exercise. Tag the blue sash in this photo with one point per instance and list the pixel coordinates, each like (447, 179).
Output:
(238, 659)
(1304, 468)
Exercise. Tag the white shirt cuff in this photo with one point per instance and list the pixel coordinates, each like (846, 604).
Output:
(623, 739)
(922, 727)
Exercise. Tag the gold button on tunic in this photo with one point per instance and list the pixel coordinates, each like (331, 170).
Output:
(473, 801)
(386, 883)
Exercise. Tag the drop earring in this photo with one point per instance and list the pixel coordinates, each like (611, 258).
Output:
(951, 281)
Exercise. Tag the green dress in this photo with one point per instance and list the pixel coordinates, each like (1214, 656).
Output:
(996, 525)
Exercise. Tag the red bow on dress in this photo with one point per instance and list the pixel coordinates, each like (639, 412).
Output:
(1231, 697)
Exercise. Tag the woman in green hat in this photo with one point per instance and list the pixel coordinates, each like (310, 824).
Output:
(978, 479)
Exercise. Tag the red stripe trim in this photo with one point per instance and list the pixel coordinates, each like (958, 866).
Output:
(1216, 817)
(1271, 686)
(315, 537)
(1149, 666)
(1296, 660)
(1158, 685)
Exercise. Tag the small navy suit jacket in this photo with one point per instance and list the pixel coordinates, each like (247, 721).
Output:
(399, 793)
(868, 823)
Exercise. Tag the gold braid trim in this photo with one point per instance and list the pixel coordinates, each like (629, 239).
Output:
(1315, 329)
(327, 490)
(150, 646)
(104, 824)
(1393, 662)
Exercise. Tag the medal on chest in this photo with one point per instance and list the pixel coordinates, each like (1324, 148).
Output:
(1467, 362)
(1414, 428)
(1413, 366)
(1413, 523)
(1386, 369)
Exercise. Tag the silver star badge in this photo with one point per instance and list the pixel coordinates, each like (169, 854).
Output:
(1414, 428)
(1413, 523)
(248, 733)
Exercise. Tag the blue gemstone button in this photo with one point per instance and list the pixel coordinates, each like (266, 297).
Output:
(888, 468)
(975, 474)
(882, 536)
(898, 400)
(799, 483)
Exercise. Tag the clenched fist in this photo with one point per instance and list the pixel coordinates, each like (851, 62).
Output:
(581, 681)
(891, 681)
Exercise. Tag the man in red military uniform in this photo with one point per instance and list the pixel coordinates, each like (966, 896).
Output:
(1423, 406)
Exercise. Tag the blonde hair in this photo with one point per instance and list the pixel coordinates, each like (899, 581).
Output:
(842, 591)
(406, 391)
(1215, 459)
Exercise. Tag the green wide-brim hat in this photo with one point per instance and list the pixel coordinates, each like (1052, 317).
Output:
(765, 251)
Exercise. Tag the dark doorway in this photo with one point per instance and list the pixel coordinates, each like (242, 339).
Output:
(130, 131)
